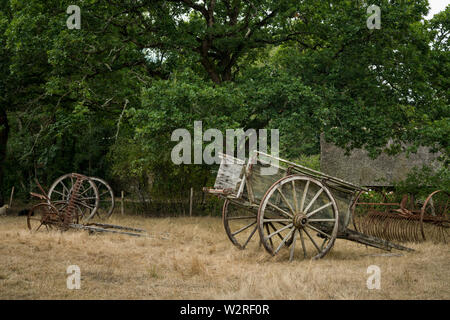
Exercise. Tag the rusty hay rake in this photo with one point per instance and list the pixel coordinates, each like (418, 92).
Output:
(405, 221)
(78, 200)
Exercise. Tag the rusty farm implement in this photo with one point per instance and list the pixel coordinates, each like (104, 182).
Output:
(294, 207)
(408, 220)
(71, 202)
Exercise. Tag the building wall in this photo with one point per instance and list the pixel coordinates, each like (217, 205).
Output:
(360, 169)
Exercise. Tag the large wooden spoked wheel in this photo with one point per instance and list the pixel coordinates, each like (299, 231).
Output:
(107, 201)
(87, 201)
(435, 217)
(239, 222)
(298, 207)
(43, 217)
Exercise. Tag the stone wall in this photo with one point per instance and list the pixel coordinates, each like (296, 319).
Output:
(360, 169)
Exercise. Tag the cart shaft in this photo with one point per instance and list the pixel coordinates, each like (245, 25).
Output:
(371, 241)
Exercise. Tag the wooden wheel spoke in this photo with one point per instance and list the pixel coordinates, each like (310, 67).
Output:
(86, 198)
(36, 219)
(319, 209)
(277, 220)
(286, 214)
(291, 253)
(250, 236)
(294, 196)
(64, 196)
(106, 192)
(312, 240)
(285, 200)
(317, 230)
(322, 220)
(64, 187)
(305, 191)
(275, 229)
(40, 226)
(303, 242)
(279, 230)
(268, 232)
(323, 243)
(85, 205)
(84, 191)
(243, 228)
(313, 200)
(242, 217)
(284, 240)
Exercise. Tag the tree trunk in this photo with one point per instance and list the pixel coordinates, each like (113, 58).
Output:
(4, 131)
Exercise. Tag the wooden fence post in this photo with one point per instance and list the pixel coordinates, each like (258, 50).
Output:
(11, 197)
(190, 202)
(121, 202)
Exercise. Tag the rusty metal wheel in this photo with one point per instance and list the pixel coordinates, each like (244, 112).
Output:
(87, 199)
(353, 210)
(107, 201)
(298, 207)
(239, 222)
(435, 217)
(43, 216)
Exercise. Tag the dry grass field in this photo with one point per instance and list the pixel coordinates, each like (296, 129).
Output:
(192, 258)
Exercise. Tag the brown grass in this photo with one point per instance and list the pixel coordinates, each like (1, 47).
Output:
(191, 258)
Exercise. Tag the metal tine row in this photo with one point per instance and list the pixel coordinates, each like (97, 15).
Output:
(395, 227)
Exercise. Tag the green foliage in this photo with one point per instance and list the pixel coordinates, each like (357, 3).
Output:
(423, 181)
(373, 86)
(137, 70)
(380, 196)
(312, 162)
(254, 100)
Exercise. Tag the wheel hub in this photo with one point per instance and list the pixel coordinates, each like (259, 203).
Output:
(300, 220)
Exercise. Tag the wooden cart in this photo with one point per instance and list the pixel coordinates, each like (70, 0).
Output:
(285, 202)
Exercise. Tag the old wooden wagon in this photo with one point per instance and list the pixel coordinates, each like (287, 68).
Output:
(289, 204)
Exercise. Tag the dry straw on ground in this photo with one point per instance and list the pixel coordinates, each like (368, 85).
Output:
(191, 258)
